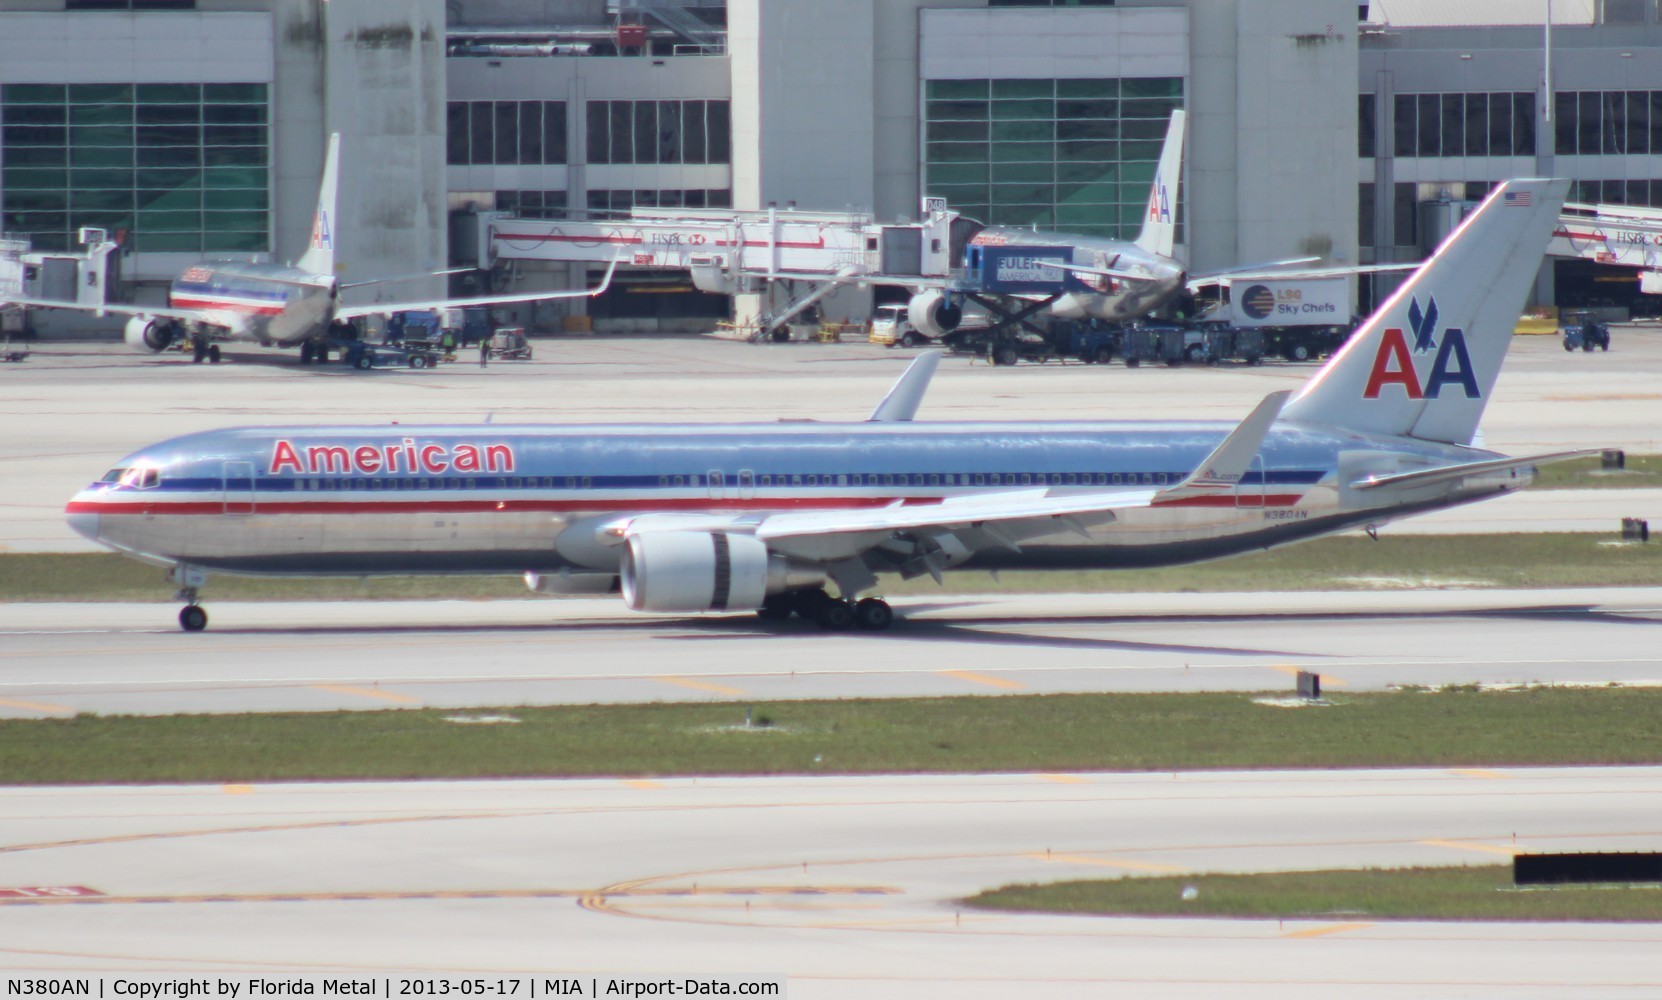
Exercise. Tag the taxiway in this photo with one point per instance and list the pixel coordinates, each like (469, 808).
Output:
(849, 886)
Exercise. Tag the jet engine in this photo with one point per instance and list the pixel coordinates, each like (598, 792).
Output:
(678, 571)
(933, 315)
(144, 334)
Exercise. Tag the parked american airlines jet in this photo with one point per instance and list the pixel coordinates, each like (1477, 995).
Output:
(690, 518)
(1117, 280)
(274, 304)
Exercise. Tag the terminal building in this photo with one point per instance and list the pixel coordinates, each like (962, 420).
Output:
(1349, 131)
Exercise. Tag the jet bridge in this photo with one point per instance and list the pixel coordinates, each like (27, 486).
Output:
(1620, 235)
(737, 252)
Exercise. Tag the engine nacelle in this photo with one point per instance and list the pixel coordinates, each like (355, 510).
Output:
(933, 315)
(148, 334)
(679, 571)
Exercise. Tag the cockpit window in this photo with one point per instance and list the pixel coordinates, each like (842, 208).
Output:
(113, 476)
(138, 477)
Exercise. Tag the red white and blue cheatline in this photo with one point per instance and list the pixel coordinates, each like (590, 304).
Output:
(1517, 199)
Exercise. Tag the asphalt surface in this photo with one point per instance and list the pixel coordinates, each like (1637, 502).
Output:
(56, 660)
(848, 886)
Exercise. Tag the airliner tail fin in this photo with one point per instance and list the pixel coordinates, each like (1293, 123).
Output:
(1423, 365)
(319, 257)
(1159, 232)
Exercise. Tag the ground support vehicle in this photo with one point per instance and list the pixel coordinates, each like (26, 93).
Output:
(1305, 343)
(1001, 346)
(891, 326)
(1091, 341)
(1585, 333)
(1221, 343)
(363, 355)
(509, 344)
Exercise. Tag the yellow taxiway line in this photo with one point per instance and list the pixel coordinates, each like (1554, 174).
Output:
(984, 679)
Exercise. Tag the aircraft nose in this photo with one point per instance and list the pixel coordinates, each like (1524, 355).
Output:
(82, 520)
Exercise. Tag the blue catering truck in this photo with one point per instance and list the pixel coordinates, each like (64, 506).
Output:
(1016, 270)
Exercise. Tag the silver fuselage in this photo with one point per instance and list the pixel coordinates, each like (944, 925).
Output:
(501, 499)
(1114, 299)
(269, 303)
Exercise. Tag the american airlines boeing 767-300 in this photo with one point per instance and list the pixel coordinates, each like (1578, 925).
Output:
(767, 517)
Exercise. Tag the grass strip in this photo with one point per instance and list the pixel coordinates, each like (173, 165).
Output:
(1339, 563)
(1642, 472)
(1122, 732)
(1479, 892)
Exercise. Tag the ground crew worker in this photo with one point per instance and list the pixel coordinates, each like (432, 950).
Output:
(484, 351)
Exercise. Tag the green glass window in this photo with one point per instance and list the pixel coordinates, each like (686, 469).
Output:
(1023, 131)
(168, 93)
(1008, 152)
(1078, 154)
(954, 89)
(959, 110)
(130, 157)
(28, 178)
(100, 93)
(33, 93)
(1032, 172)
(954, 173)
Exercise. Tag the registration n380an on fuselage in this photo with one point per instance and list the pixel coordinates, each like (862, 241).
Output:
(766, 517)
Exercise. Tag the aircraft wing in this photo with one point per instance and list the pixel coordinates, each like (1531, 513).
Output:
(1041, 508)
(379, 308)
(1106, 272)
(164, 312)
(234, 324)
(1270, 272)
(958, 512)
(1449, 473)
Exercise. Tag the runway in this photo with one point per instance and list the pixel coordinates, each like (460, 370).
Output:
(56, 660)
(847, 885)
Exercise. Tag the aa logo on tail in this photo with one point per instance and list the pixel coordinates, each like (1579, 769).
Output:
(322, 239)
(1394, 363)
(1159, 206)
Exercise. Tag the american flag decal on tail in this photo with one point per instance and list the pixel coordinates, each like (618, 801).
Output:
(1517, 199)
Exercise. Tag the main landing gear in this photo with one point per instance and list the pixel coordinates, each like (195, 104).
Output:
(201, 350)
(832, 614)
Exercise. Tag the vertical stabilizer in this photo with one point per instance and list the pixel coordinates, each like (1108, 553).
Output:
(1423, 365)
(1159, 233)
(319, 257)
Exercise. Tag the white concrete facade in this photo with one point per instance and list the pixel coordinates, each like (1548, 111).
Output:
(370, 69)
(803, 103)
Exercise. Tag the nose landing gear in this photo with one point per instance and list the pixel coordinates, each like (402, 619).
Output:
(190, 579)
(192, 618)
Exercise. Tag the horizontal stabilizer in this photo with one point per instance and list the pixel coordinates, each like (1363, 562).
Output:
(901, 404)
(1448, 473)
